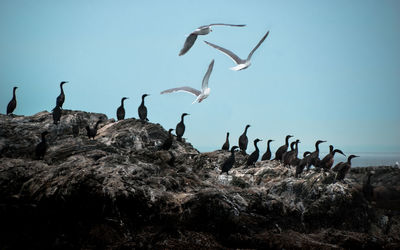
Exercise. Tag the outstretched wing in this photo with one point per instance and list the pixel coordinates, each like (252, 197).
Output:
(258, 45)
(226, 24)
(188, 44)
(182, 89)
(204, 84)
(229, 53)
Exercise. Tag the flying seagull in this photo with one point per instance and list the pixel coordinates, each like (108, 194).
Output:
(202, 30)
(205, 90)
(241, 64)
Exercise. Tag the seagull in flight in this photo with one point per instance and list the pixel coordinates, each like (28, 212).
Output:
(241, 64)
(202, 30)
(205, 90)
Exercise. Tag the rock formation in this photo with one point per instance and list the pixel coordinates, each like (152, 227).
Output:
(120, 191)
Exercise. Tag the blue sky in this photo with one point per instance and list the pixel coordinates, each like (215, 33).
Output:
(328, 69)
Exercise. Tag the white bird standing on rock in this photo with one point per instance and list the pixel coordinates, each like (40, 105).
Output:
(241, 64)
(205, 90)
(202, 30)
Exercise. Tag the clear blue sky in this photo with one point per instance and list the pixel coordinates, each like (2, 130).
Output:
(328, 70)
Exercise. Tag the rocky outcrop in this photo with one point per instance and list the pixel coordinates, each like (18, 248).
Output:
(120, 191)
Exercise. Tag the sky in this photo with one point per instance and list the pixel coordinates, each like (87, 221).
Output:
(328, 70)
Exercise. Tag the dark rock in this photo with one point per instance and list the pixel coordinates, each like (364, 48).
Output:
(120, 191)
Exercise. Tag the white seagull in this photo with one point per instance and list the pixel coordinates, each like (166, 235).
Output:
(202, 30)
(241, 64)
(205, 90)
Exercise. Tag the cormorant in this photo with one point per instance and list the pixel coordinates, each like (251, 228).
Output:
(168, 142)
(121, 110)
(327, 162)
(142, 110)
(302, 163)
(228, 163)
(267, 154)
(253, 157)
(243, 141)
(226, 144)
(91, 132)
(314, 156)
(202, 30)
(180, 128)
(61, 97)
(41, 147)
(13, 103)
(56, 114)
(282, 149)
(343, 168)
(290, 157)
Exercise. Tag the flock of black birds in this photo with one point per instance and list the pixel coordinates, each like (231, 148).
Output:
(288, 158)
(282, 154)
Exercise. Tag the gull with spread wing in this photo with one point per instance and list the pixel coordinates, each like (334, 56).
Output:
(202, 30)
(241, 64)
(205, 90)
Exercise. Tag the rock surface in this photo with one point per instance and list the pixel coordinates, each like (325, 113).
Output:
(120, 191)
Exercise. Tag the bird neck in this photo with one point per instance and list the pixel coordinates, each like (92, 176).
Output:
(268, 149)
(14, 93)
(316, 147)
(122, 102)
(227, 137)
(287, 141)
(245, 130)
(297, 147)
(142, 100)
(62, 90)
(349, 160)
(182, 118)
(255, 145)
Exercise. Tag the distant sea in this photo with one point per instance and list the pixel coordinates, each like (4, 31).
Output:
(366, 159)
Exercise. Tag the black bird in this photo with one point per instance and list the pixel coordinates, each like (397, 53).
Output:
(343, 167)
(168, 142)
(91, 132)
(13, 103)
(291, 149)
(302, 163)
(56, 114)
(243, 141)
(228, 163)
(180, 128)
(267, 154)
(226, 144)
(282, 149)
(61, 98)
(327, 162)
(121, 110)
(254, 156)
(290, 157)
(142, 110)
(314, 156)
(41, 148)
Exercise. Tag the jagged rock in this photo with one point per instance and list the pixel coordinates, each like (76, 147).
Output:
(120, 191)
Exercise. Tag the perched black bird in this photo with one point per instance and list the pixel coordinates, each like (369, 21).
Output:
(282, 149)
(91, 132)
(290, 157)
(343, 167)
(302, 163)
(142, 110)
(267, 154)
(254, 156)
(121, 110)
(314, 156)
(61, 98)
(226, 144)
(180, 128)
(13, 103)
(243, 141)
(41, 148)
(56, 114)
(327, 162)
(228, 163)
(168, 142)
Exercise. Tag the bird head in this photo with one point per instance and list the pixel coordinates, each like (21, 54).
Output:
(63, 82)
(124, 98)
(248, 126)
(257, 140)
(270, 141)
(319, 142)
(15, 88)
(185, 114)
(170, 130)
(330, 148)
(143, 96)
(234, 148)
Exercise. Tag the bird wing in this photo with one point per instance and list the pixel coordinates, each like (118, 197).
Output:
(229, 53)
(188, 44)
(227, 24)
(182, 89)
(204, 84)
(258, 45)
